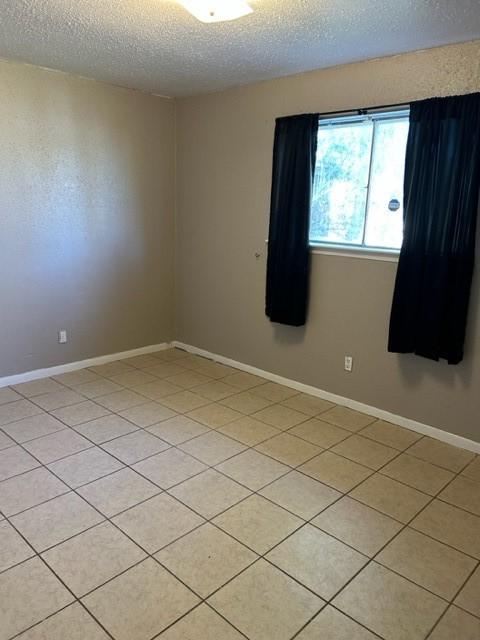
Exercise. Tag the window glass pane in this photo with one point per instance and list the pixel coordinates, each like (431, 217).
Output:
(340, 184)
(384, 227)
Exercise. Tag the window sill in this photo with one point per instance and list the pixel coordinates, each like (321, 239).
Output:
(362, 253)
(347, 251)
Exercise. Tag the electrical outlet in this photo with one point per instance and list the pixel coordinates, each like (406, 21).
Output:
(62, 336)
(348, 363)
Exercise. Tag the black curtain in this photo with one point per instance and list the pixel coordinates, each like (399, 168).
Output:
(294, 151)
(441, 188)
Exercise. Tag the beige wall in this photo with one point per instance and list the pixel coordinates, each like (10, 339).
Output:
(86, 218)
(87, 204)
(224, 155)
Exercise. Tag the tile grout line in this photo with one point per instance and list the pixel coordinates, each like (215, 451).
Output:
(290, 469)
(285, 431)
(373, 559)
(287, 574)
(211, 466)
(151, 555)
(106, 518)
(208, 520)
(75, 599)
(252, 447)
(452, 603)
(261, 556)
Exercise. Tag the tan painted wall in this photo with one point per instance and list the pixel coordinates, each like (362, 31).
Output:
(224, 158)
(86, 218)
(87, 227)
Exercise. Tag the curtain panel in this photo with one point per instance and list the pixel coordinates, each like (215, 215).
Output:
(294, 152)
(441, 189)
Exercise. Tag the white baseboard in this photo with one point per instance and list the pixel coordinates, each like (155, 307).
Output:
(419, 427)
(81, 364)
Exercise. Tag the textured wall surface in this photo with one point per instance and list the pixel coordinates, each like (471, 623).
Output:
(86, 218)
(87, 232)
(224, 170)
(156, 45)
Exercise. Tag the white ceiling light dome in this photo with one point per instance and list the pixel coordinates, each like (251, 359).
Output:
(217, 10)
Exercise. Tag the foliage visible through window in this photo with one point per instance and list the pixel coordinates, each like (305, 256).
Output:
(358, 185)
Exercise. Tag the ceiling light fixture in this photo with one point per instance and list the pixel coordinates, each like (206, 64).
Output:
(217, 10)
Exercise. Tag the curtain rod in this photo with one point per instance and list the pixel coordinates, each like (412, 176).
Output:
(364, 110)
(404, 105)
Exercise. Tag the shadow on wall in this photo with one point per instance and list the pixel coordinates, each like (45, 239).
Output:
(288, 336)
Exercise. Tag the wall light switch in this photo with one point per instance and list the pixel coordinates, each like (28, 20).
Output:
(62, 336)
(348, 363)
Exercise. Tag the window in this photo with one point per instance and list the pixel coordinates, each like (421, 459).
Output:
(358, 185)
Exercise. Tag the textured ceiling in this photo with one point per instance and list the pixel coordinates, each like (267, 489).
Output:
(155, 45)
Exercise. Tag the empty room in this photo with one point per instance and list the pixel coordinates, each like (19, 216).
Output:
(239, 320)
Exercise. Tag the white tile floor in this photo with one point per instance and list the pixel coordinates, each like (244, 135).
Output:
(169, 496)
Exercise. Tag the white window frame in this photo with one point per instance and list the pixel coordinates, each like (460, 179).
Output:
(361, 250)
